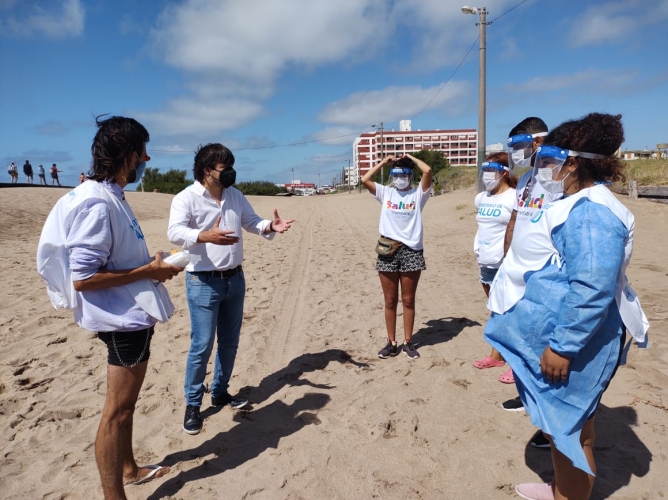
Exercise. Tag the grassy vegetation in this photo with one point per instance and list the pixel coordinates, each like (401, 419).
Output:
(647, 172)
(644, 172)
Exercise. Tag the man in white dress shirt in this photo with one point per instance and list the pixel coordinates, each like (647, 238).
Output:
(206, 218)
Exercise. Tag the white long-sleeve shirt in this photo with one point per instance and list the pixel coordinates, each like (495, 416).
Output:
(194, 210)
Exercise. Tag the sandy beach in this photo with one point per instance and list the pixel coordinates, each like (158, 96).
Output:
(330, 420)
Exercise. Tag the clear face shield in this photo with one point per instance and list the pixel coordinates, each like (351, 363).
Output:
(520, 149)
(401, 177)
(491, 173)
(550, 161)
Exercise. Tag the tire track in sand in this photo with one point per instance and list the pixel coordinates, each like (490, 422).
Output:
(289, 302)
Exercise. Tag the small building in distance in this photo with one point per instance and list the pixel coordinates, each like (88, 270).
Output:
(661, 151)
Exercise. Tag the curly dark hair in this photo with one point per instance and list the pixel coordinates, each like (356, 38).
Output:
(599, 133)
(209, 156)
(117, 138)
(502, 158)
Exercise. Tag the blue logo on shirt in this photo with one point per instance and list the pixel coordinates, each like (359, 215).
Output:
(135, 227)
(537, 217)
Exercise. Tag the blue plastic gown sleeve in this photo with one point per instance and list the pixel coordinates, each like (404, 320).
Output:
(591, 246)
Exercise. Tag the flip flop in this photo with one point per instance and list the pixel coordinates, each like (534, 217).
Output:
(487, 362)
(148, 477)
(507, 377)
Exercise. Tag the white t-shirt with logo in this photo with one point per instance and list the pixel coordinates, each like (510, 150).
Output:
(401, 214)
(493, 215)
(534, 201)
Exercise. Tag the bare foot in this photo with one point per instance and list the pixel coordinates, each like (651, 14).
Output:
(145, 474)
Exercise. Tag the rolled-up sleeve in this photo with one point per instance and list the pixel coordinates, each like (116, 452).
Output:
(89, 239)
(179, 231)
(593, 250)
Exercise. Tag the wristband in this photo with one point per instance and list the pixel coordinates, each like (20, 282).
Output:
(271, 227)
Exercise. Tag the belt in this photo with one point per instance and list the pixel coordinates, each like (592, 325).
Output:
(227, 273)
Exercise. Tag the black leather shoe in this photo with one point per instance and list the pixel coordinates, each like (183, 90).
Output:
(192, 422)
(225, 399)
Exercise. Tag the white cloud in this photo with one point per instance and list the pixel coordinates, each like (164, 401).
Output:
(200, 117)
(391, 104)
(615, 21)
(54, 19)
(255, 40)
(590, 80)
(236, 52)
(52, 128)
(337, 136)
(443, 31)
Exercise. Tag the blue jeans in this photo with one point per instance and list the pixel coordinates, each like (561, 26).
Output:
(216, 306)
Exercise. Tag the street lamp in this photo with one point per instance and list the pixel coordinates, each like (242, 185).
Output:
(482, 79)
(382, 148)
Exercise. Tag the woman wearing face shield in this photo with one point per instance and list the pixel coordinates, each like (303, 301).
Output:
(494, 206)
(400, 221)
(562, 318)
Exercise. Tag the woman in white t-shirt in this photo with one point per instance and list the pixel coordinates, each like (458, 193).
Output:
(495, 206)
(400, 221)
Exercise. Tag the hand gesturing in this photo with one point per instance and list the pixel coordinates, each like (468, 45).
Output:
(280, 225)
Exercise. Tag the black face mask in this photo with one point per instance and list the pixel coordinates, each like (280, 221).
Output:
(227, 177)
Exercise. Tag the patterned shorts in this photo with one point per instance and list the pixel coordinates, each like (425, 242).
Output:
(404, 260)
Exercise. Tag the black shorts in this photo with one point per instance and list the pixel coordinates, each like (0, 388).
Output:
(127, 348)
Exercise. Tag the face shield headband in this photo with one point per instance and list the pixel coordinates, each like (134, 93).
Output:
(520, 150)
(401, 177)
(492, 166)
(553, 158)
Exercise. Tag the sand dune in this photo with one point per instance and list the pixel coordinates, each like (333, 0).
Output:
(330, 420)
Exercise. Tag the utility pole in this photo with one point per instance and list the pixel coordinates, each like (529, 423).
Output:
(319, 180)
(349, 175)
(482, 83)
(293, 179)
(382, 149)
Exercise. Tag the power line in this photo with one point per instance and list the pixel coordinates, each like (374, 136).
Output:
(358, 133)
(506, 12)
(179, 151)
(450, 78)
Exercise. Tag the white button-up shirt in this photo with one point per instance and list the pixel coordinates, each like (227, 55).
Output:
(194, 210)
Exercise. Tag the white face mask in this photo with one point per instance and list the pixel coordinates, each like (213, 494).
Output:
(554, 188)
(519, 160)
(401, 182)
(490, 181)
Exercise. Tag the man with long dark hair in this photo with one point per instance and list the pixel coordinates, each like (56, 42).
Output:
(113, 285)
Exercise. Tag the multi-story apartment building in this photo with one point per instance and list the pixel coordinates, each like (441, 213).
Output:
(459, 146)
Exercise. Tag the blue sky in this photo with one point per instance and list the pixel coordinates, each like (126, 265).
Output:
(262, 73)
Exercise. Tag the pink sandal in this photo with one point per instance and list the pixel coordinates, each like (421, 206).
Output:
(507, 377)
(487, 362)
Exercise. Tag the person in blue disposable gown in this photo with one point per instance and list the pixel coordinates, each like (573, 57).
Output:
(559, 320)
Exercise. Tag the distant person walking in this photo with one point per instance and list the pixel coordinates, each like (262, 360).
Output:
(54, 174)
(41, 175)
(27, 170)
(402, 260)
(13, 173)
